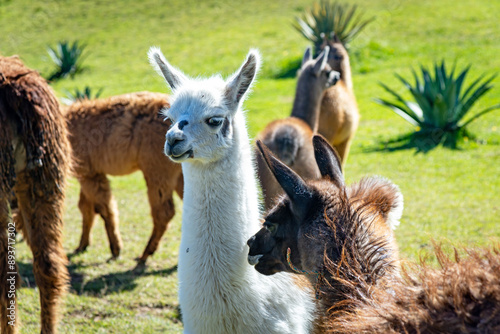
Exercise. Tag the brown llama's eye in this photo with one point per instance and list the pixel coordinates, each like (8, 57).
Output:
(272, 228)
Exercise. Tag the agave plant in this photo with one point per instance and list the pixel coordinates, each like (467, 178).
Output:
(68, 59)
(441, 104)
(331, 18)
(85, 94)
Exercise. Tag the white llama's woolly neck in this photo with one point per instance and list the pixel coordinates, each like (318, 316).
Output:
(218, 291)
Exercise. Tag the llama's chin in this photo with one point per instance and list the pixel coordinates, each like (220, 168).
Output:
(183, 157)
(254, 259)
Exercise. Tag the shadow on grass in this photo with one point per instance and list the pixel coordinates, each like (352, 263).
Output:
(100, 286)
(422, 142)
(287, 68)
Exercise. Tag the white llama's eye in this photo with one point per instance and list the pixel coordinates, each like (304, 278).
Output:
(214, 121)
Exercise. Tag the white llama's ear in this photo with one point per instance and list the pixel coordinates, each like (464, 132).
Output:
(240, 82)
(307, 56)
(321, 61)
(328, 161)
(173, 76)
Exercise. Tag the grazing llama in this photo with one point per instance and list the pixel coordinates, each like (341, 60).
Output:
(218, 291)
(118, 136)
(318, 219)
(290, 139)
(339, 115)
(34, 163)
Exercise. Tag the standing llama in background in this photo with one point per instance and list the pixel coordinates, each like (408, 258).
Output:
(290, 139)
(318, 219)
(339, 115)
(118, 136)
(218, 291)
(34, 162)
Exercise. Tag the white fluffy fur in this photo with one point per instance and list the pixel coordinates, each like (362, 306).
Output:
(219, 292)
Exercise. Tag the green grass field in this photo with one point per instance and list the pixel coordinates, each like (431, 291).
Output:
(450, 195)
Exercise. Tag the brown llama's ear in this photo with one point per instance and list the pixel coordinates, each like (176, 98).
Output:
(321, 61)
(307, 56)
(291, 182)
(335, 38)
(173, 76)
(240, 82)
(328, 161)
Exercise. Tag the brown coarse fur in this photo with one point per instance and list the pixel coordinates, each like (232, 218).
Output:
(290, 139)
(330, 228)
(117, 136)
(34, 162)
(462, 296)
(339, 115)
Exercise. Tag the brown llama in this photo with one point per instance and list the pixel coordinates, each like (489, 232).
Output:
(34, 163)
(462, 296)
(339, 115)
(118, 136)
(290, 139)
(351, 226)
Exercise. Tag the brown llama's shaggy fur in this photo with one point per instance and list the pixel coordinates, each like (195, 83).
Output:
(34, 162)
(290, 139)
(463, 296)
(339, 115)
(327, 225)
(117, 136)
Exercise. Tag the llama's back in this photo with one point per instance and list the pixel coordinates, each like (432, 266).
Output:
(119, 134)
(463, 296)
(290, 140)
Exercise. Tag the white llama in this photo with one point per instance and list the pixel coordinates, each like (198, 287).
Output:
(218, 291)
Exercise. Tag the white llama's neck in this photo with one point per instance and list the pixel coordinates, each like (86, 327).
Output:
(220, 208)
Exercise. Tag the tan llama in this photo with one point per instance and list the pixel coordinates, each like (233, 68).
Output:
(290, 139)
(34, 163)
(339, 115)
(324, 219)
(117, 136)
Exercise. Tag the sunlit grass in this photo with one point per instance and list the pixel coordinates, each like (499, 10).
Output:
(450, 195)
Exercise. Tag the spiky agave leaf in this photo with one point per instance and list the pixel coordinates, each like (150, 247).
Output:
(67, 58)
(327, 18)
(440, 101)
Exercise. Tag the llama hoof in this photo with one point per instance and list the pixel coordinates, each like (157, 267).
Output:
(113, 258)
(140, 267)
(80, 250)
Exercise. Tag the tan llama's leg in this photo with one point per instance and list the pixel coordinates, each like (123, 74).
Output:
(43, 221)
(98, 189)
(162, 210)
(343, 150)
(87, 208)
(8, 282)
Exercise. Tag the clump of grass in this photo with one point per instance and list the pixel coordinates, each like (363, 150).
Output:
(326, 19)
(77, 95)
(441, 104)
(67, 58)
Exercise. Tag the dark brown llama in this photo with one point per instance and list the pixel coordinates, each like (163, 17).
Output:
(118, 136)
(318, 219)
(34, 163)
(290, 139)
(339, 115)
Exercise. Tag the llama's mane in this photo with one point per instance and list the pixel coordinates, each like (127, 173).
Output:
(356, 256)
(141, 104)
(27, 101)
(463, 295)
